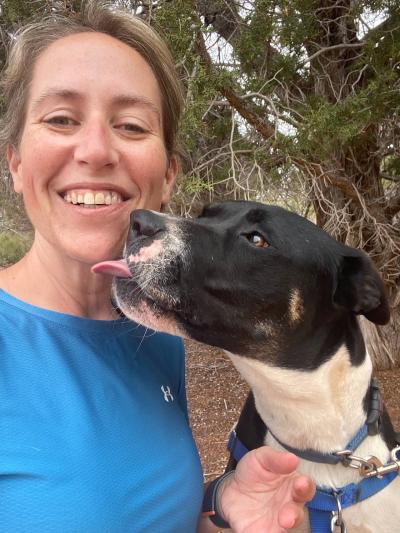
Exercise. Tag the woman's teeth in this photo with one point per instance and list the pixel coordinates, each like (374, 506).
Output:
(93, 199)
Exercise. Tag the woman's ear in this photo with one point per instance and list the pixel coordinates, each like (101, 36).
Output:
(14, 164)
(170, 178)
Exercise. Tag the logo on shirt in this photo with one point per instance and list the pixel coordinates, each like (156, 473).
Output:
(167, 393)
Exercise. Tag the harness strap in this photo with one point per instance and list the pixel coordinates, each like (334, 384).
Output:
(324, 502)
(236, 446)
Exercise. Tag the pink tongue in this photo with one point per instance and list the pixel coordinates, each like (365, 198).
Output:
(113, 268)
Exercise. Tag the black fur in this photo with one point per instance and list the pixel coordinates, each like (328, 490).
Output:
(335, 283)
(291, 301)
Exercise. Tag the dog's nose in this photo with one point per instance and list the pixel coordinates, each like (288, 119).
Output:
(146, 223)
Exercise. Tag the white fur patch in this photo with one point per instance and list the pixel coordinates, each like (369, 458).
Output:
(143, 314)
(296, 404)
(146, 253)
(152, 262)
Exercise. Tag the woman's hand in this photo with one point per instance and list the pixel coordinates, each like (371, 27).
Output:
(265, 494)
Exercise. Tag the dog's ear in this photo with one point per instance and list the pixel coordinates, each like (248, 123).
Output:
(360, 289)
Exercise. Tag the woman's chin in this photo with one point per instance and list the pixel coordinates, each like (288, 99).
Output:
(89, 253)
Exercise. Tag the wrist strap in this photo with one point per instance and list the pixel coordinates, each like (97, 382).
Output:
(210, 508)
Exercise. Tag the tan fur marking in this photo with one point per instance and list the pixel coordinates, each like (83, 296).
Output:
(296, 308)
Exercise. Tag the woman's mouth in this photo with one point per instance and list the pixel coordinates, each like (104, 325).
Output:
(92, 199)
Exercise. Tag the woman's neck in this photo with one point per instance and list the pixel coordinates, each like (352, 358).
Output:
(45, 279)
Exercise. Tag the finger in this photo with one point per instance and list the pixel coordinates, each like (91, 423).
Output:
(276, 461)
(303, 489)
(291, 515)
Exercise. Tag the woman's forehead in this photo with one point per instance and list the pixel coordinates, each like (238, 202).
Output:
(92, 63)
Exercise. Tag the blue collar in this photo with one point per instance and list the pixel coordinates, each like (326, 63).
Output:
(238, 449)
(328, 458)
(371, 427)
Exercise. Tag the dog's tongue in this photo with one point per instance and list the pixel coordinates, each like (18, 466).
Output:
(113, 268)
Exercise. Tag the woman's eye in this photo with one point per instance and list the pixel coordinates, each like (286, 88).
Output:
(61, 121)
(131, 128)
(257, 240)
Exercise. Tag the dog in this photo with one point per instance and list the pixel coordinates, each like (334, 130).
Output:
(282, 298)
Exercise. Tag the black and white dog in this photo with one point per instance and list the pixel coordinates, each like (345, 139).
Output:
(282, 298)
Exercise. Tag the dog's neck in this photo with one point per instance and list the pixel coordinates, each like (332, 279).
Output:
(295, 405)
(320, 410)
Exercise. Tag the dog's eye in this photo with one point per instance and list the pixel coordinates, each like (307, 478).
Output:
(257, 240)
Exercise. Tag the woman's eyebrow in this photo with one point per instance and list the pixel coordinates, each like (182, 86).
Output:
(126, 100)
(119, 100)
(66, 94)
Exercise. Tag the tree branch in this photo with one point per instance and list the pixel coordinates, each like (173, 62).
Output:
(263, 127)
(223, 16)
(329, 48)
(393, 205)
(385, 176)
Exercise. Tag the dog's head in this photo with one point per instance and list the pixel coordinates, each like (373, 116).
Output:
(253, 279)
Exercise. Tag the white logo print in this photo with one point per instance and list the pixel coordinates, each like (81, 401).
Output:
(167, 393)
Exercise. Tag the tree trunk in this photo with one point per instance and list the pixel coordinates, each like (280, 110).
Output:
(383, 342)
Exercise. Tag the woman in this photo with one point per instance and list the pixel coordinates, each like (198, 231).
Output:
(94, 434)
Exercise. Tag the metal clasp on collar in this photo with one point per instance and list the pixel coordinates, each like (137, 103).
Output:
(337, 522)
(380, 470)
(371, 466)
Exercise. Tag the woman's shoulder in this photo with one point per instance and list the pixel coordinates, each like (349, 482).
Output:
(9, 280)
(4, 275)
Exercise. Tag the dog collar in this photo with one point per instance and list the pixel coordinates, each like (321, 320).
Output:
(332, 458)
(371, 427)
(238, 449)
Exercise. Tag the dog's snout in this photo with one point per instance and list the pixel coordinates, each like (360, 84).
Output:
(146, 223)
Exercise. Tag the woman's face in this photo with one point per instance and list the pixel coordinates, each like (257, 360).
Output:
(92, 147)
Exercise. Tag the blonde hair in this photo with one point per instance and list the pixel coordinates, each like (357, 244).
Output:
(31, 40)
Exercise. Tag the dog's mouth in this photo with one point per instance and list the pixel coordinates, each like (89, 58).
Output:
(162, 300)
(133, 293)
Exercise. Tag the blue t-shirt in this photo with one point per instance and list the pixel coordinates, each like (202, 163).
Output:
(94, 434)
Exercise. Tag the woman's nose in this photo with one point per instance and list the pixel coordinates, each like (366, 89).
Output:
(95, 146)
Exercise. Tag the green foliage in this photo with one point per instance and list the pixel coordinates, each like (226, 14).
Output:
(16, 12)
(13, 246)
(390, 166)
(192, 185)
(295, 23)
(329, 126)
(177, 24)
(250, 47)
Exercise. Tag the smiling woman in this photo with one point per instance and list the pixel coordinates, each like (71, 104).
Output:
(81, 138)
(84, 150)
(94, 433)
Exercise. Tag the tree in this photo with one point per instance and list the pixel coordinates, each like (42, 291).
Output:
(302, 94)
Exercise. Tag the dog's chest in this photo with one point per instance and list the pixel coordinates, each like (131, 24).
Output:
(291, 407)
